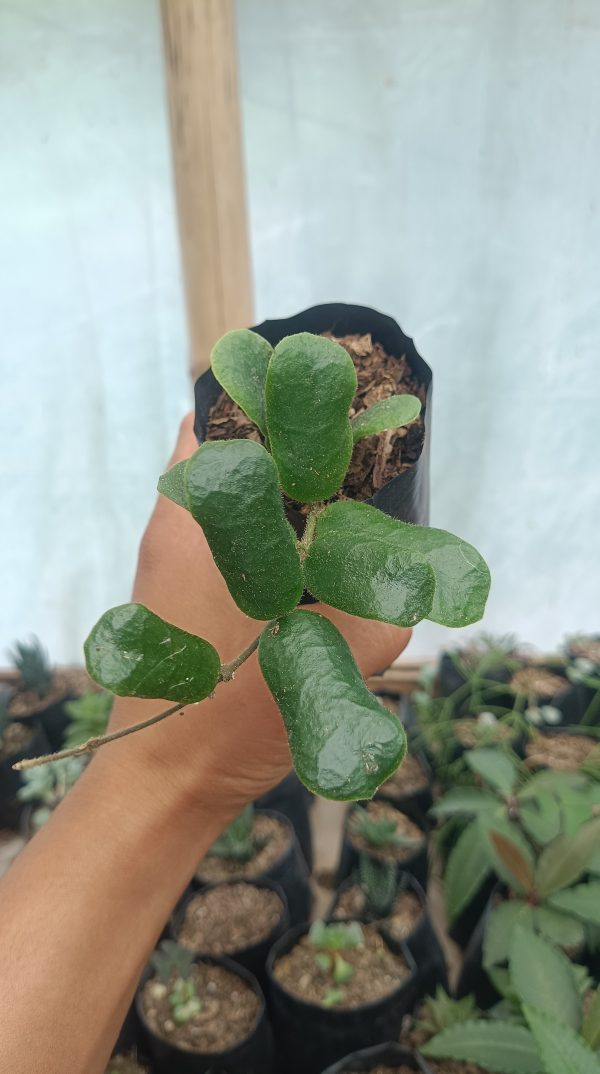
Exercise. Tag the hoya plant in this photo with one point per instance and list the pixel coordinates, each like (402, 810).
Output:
(30, 660)
(350, 555)
(173, 966)
(331, 942)
(238, 842)
(548, 1032)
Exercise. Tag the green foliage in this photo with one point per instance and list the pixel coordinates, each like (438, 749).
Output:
(343, 742)
(389, 413)
(134, 653)
(88, 717)
(48, 785)
(499, 1047)
(590, 1029)
(379, 832)
(380, 885)
(237, 842)
(31, 661)
(173, 965)
(543, 977)
(439, 1012)
(560, 1049)
(330, 941)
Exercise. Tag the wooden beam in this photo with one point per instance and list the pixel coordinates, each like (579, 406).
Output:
(202, 87)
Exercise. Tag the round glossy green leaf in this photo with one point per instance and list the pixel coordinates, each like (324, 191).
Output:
(310, 385)
(233, 492)
(134, 653)
(344, 742)
(371, 565)
(239, 362)
(389, 413)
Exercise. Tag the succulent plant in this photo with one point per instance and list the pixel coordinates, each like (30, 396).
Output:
(173, 965)
(88, 716)
(237, 842)
(48, 785)
(31, 661)
(330, 941)
(378, 832)
(380, 884)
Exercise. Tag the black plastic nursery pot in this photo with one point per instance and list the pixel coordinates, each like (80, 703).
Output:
(289, 871)
(405, 496)
(416, 863)
(11, 808)
(253, 957)
(309, 1036)
(253, 1055)
(292, 798)
(422, 942)
(461, 930)
(417, 803)
(473, 980)
(390, 1055)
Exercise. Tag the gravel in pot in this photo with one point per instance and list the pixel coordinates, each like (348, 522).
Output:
(269, 851)
(333, 992)
(562, 751)
(238, 919)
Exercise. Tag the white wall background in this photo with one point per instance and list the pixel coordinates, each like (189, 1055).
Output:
(438, 159)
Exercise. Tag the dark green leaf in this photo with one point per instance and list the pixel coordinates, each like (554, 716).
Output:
(464, 800)
(560, 928)
(389, 413)
(239, 362)
(310, 385)
(467, 868)
(494, 767)
(560, 1049)
(360, 561)
(564, 860)
(134, 653)
(499, 1047)
(344, 742)
(172, 485)
(542, 976)
(582, 901)
(233, 491)
(499, 928)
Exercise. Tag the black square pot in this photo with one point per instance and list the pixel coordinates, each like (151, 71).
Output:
(406, 496)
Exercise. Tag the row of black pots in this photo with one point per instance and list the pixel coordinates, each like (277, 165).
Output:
(291, 798)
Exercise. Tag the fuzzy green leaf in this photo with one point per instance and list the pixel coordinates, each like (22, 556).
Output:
(494, 767)
(499, 1047)
(560, 1049)
(172, 485)
(564, 860)
(344, 742)
(389, 413)
(467, 867)
(371, 565)
(541, 817)
(499, 929)
(233, 492)
(542, 975)
(464, 800)
(562, 929)
(239, 362)
(310, 385)
(134, 653)
(582, 901)
(590, 1029)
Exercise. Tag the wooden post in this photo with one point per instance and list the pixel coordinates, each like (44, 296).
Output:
(202, 87)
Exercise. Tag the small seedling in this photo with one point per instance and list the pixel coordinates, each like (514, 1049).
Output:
(31, 661)
(88, 716)
(237, 842)
(379, 832)
(439, 1012)
(48, 786)
(330, 941)
(173, 965)
(380, 884)
(350, 555)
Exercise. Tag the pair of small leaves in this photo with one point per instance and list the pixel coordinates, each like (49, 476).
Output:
(344, 742)
(299, 395)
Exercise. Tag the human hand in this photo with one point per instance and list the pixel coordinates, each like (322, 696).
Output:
(231, 748)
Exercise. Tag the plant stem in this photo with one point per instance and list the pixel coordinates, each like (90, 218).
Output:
(309, 530)
(226, 674)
